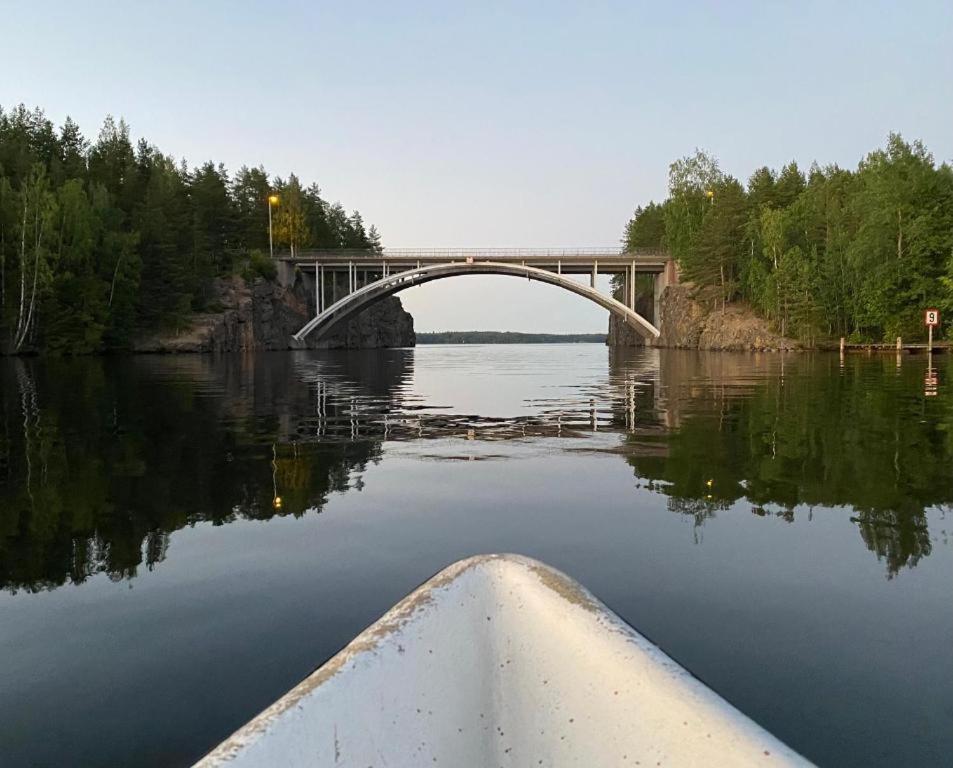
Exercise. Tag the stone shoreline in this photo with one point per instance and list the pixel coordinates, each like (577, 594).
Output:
(263, 316)
(689, 322)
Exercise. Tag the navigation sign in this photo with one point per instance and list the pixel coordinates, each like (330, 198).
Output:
(931, 318)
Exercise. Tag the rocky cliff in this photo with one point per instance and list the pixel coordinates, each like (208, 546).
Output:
(691, 320)
(694, 321)
(621, 334)
(262, 315)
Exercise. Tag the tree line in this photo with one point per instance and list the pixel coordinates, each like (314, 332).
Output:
(829, 253)
(101, 241)
(507, 337)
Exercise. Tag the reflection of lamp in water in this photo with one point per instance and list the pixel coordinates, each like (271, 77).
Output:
(276, 499)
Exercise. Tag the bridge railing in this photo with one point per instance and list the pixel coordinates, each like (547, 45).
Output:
(492, 254)
(500, 253)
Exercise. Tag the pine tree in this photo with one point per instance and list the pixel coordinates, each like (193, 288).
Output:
(249, 194)
(374, 240)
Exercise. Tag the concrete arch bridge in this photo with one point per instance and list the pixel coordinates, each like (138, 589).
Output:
(345, 282)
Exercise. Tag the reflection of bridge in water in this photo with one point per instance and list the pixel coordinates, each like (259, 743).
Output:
(645, 393)
(345, 282)
(344, 409)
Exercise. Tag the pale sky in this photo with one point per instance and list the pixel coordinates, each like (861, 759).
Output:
(487, 123)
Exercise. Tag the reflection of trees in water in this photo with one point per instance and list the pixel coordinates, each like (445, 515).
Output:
(899, 539)
(812, 435)
(100, 460)
(99, 467)
(699, 510)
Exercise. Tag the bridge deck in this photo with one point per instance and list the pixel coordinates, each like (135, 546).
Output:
(567, 260)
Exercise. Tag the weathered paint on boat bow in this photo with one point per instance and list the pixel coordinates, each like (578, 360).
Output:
(501, 660)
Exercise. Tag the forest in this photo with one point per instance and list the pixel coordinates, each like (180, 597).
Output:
(101, 241)
(825, 254)
(105, 240)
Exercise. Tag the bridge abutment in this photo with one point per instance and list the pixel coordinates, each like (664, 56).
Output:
(668, 276)
(286, 273)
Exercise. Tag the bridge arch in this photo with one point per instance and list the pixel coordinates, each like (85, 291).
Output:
(343, 309)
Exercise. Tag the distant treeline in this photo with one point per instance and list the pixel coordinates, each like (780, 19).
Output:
(508, 337)
(831, 253)
(100, 241)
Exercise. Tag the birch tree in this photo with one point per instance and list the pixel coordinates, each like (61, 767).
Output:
(38, 206)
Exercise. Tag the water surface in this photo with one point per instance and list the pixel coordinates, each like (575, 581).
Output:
(184, 538)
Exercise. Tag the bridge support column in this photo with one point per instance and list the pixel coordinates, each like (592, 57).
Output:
(630, 295)
(319, 287)
(595, 271)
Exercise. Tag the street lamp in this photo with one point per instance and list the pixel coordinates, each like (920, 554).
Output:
(272, 200)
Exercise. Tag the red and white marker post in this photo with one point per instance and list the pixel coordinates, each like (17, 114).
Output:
(931, 319)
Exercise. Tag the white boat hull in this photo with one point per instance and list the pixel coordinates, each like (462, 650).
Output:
(500, 660)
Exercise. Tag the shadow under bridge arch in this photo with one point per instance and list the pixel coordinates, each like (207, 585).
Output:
(343, 309)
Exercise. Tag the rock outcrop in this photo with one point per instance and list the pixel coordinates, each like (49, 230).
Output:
(693, 321)
(263, 315)
(690, 320)
(621, 334)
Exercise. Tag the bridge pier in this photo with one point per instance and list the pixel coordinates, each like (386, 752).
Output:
(630, 295)
(319, 286)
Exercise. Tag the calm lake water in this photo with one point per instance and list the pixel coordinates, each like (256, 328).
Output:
(779, 525)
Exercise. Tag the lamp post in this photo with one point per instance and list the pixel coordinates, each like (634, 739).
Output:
(272, 200)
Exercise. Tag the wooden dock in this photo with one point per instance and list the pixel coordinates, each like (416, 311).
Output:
(897, 347)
